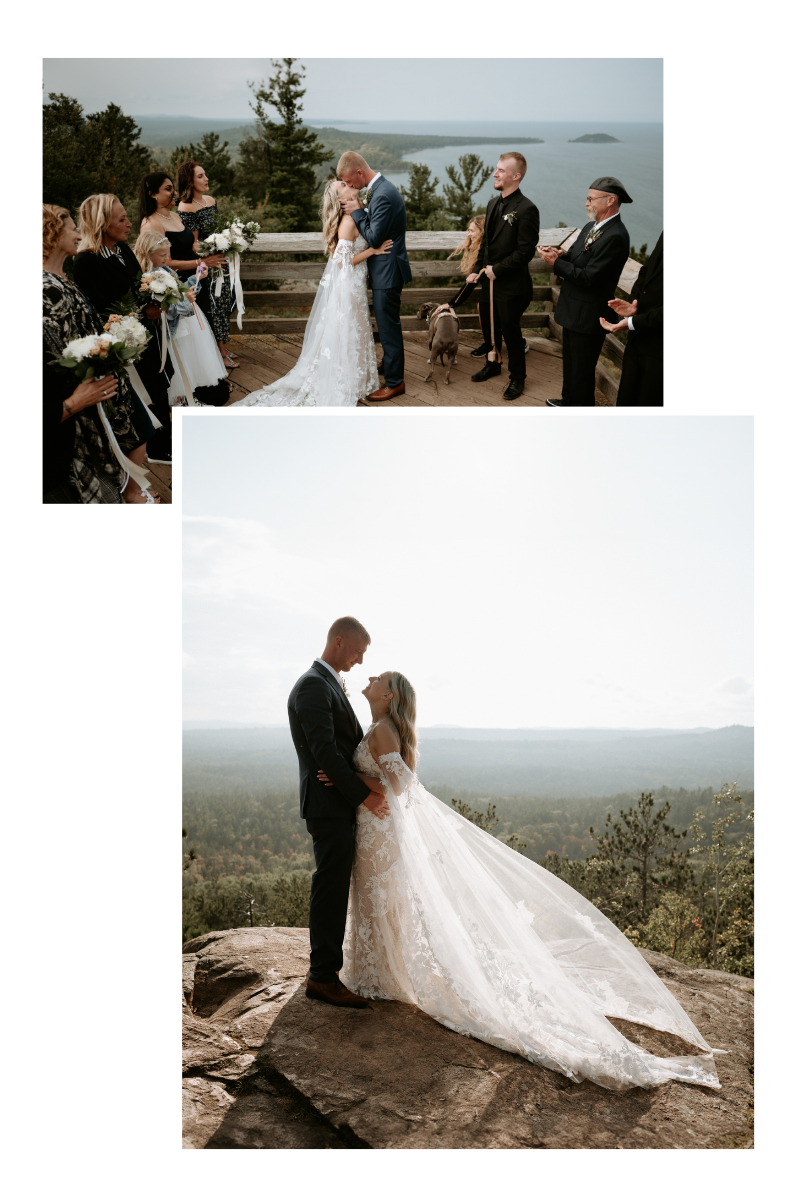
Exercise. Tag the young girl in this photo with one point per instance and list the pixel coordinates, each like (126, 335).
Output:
(196, 345)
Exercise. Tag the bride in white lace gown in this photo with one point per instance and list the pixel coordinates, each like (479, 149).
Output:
(444, 916)
(337, 365)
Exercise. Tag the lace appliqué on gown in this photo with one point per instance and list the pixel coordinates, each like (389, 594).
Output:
(444, 916)
(337, 365)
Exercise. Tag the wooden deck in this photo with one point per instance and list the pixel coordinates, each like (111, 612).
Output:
(161, 477)
(266, 357)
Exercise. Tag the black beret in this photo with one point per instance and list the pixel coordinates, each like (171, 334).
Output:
(607, 183)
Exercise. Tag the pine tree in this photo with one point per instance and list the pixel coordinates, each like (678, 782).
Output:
(216, 162)
(85, 155)
(462, 187)
(728, 876)
(422, 201)
(288, 152)
(644, 840)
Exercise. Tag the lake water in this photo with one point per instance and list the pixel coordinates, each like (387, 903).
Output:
(559, 173)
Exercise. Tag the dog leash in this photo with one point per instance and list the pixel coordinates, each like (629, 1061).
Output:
(494, 353)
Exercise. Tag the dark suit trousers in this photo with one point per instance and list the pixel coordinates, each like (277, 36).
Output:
(334, 846)
(507, 313)
(642, 382)
(386, 306)
(581, 352)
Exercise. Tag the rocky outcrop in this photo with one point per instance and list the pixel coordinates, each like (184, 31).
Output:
(265, 1067)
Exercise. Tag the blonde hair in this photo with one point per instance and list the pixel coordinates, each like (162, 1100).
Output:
(145, 245)
(403, 712)
(471, 245)
(351, 161)
(94, 217)
(330, 215)
(522, 164)
(347, 627)
(53, 217)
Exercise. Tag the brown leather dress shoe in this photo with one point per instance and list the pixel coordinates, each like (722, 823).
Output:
(386, 393)
(334, 993)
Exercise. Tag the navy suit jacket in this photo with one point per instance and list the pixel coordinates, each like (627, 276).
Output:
(386, 219)
(590, 277)
(325, 732)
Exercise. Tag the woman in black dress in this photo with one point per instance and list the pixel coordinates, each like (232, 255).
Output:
(106, 271)
(199, 211)
(80, 466)
(156, 197)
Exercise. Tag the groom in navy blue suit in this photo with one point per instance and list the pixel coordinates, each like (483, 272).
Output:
(382, 216)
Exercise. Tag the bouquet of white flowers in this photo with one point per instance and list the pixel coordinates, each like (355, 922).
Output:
(163, 288)
(233, 238)
(115, 350)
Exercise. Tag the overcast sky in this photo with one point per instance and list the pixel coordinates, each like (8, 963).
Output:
(392, 89)
(521, 572)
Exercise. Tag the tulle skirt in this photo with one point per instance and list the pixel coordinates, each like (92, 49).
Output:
(200, 356)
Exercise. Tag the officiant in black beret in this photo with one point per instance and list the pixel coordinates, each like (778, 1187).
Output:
(509, 243)
(590, 271)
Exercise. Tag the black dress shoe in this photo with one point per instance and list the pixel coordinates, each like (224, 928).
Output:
(481, 351)
(488, 372)
(555, 403)
(514, 390)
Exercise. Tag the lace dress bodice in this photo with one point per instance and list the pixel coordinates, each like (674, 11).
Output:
(337, 365)
(446, 917)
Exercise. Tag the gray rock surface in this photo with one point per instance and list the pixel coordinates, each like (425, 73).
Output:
(267, 1068)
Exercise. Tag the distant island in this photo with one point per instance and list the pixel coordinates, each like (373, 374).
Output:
(595, 137)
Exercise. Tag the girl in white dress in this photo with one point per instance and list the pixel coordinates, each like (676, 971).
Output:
(446, 917)
(337, 365)
(197, 347)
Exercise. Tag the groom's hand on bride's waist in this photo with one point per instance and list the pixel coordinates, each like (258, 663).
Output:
(377, 804)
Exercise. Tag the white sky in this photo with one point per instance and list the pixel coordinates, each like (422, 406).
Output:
(520, 571)
(549, 89)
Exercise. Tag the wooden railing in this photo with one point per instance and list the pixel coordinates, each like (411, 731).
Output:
(254, 266)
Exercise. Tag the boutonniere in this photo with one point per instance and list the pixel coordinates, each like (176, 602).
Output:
(344, 687)
(366, 196)
(510, 217)
(592, 238)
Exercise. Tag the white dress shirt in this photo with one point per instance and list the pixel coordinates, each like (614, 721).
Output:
(335, 674)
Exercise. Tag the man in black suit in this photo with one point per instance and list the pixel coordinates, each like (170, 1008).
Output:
(325, 732)
(590, 270)
(509, 243)
(642, 382)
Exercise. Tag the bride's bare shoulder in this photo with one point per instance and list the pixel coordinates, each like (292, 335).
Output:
(384, 739)
(348, 230)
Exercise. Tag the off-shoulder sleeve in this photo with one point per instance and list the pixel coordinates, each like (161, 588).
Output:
(395, 773)
(344, 253)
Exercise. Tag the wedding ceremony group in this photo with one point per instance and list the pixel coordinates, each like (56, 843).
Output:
(133, 331)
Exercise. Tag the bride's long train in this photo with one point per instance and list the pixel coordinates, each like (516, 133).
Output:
(444, 916)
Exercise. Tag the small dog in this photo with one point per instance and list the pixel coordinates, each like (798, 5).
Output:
(443, 339)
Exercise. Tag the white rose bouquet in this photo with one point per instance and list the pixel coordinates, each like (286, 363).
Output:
(233, 238)
(106, 353)
(163, 288)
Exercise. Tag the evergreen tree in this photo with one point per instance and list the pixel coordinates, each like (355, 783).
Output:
(644, 843)
(422, 201)
(85, 155)
(727, 882)
(289, 150)
(216, 161)
(463, 186)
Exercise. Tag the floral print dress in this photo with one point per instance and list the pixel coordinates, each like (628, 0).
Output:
(219, 310)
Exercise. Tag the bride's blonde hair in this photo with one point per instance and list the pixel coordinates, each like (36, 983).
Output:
(403, 712)
(331, 214)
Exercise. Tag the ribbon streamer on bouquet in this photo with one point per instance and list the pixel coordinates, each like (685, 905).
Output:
(137, 474)
(165, 334)
(237, 288)
(141, 391)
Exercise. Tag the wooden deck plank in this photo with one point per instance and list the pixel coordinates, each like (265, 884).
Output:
(161, 476)
(266, 358)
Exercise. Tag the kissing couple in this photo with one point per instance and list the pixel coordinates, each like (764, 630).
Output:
(411, 902)
(337, 364)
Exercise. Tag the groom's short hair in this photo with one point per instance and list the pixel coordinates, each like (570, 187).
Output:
(520, 159)
(348, 627)
(351, 161)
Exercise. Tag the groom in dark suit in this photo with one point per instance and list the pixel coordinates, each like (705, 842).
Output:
(325, 732)
(590, 272)
(509, 244)
(382, 216)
